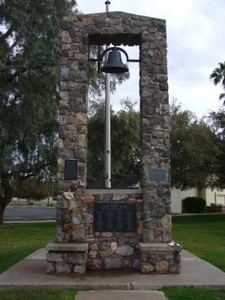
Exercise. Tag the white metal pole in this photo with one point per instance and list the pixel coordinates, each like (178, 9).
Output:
(107, 133)
(107, 3)
(107, 150)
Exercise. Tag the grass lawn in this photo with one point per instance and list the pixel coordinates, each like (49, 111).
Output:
(20, 240)
(193, 294)
(38, 294)
(203, 235)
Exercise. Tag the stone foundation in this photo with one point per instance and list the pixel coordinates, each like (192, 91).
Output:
(160, 258)
(147, 258)
(79, 247)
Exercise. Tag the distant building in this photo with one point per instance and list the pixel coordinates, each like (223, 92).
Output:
(211, 196)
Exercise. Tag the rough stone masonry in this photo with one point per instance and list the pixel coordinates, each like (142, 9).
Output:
(78, 247)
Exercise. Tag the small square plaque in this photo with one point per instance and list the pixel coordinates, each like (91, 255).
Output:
(71, 169)
(158, 175)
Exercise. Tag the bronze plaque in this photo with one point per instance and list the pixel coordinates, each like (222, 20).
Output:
(158, 175)
(70, 171)
(115, 217)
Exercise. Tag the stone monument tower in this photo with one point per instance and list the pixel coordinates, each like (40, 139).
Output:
(113, 229)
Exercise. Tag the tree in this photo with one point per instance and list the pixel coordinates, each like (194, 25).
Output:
(125, 137)
(29, 75)
(218, 76)
(126, 145)
(194, 150)
(216, 120)
(32, 188)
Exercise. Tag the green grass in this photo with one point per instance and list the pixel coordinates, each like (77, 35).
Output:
(203, 235)
(20, 240)
(69, 294)
(38, 294)
(182, 293)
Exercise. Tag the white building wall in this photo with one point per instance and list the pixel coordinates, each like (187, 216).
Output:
(220, 199)
(177, 196)
(216, 196)
(211, 196)
(175, 201)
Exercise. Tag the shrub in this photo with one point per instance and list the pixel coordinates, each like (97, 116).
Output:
(193, 205)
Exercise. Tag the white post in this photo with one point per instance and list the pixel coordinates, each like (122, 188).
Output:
(107, 150)
(107, 133)
(107, 3)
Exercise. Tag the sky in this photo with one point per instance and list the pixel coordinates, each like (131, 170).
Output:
(196, 44)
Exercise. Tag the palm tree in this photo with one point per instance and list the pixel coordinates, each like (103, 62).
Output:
(218, 75)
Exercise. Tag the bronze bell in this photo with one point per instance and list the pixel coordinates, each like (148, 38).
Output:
(114, 63)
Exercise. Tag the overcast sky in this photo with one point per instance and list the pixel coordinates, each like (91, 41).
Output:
(196, 43)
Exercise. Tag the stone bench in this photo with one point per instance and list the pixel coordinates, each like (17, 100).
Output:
(65, 258)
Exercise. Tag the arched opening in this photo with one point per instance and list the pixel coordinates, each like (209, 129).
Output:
(124, 168)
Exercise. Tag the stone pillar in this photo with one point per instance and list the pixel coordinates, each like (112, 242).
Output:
(157, 253)
(155, 130)
(71, 217)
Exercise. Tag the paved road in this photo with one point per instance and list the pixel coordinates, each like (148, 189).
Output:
(29, 213)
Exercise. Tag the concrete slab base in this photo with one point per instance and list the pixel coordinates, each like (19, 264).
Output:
(31, 272)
